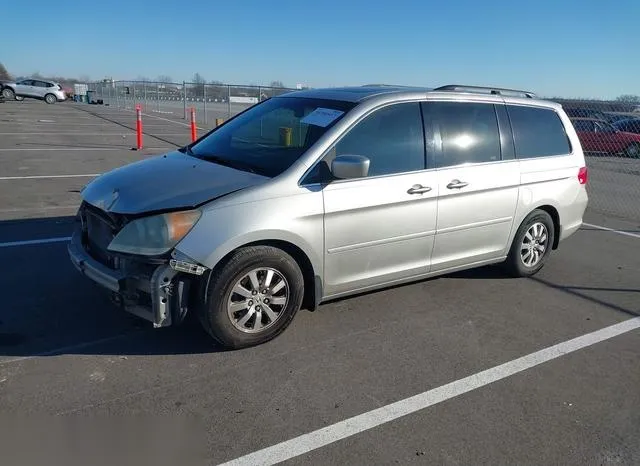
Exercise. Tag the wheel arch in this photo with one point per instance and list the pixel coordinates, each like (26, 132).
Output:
(555, 216)
(310, 266)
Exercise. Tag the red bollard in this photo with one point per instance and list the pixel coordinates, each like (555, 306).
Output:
(194, 132)
(139, 126)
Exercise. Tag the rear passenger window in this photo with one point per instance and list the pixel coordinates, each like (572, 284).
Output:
(537, 132)
(469, 132)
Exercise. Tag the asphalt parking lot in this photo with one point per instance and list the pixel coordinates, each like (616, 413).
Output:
(445, 371)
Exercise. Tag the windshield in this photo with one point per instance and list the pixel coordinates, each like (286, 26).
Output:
(268, 138)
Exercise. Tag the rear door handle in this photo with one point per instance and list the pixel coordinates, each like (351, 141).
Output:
(457, 184)
(418, 189)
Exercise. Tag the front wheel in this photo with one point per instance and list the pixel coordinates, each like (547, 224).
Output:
(531, 245)
(50, 99)
(633, 151)
(252, 297)
(8, 93)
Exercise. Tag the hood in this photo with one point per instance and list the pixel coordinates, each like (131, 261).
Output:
(171, 181)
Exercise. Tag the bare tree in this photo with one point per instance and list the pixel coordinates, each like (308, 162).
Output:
(4, 74)
(629, 99)
(163, 78)
(276, 84)
(198, 79)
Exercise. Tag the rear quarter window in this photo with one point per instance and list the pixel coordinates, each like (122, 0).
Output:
(537, 132)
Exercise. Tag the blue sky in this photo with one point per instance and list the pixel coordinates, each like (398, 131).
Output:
(554, 47)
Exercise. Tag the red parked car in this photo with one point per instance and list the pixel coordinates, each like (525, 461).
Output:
(600, 136)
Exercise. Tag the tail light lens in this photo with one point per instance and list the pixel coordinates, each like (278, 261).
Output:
(583, 175)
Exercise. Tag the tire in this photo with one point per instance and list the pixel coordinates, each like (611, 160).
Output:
(50, 99)
(19, 98)
(633, 151)
(8, 93)
(238, 320)
(521, 264)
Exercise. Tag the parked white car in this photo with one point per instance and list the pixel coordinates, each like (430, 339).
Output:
(49, 91)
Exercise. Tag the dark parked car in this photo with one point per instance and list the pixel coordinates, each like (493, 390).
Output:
(600, 136)
(630, 125)
(580, 112)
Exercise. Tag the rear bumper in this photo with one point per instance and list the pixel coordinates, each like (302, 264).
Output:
(159, 296)
(573, 215)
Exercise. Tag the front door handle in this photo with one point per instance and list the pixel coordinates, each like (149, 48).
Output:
(457, 184)
(418, 189)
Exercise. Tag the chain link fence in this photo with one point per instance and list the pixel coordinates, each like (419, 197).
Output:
(609, 133)
(211, 101)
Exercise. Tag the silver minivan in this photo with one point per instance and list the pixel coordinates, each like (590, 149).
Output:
(320, 194)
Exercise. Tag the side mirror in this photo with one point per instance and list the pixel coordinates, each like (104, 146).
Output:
(350, 166)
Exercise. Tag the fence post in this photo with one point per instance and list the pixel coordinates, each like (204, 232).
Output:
(228, 101)
(184, 98)
(158, 97)
(259, 94)
(144, 83)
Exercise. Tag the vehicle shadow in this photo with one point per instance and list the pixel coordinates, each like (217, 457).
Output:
(579, 291)
(48, 308)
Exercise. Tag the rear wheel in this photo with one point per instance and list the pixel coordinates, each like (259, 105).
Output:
(50, 99)
(252, 297)
(633, 151)
(531, 245)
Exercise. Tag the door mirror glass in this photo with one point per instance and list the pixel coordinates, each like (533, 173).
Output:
(350, 166)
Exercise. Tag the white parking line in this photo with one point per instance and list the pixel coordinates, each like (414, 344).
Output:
(39, 177)
(129, 132)
(66, 349)
(357, 424)
(67, 149)
(167, 119)
(612, 230)
(38, 209)
(10, 244)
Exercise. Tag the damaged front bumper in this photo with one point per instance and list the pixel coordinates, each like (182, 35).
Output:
(157, 291)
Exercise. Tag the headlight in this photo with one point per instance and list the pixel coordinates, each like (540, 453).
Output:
(152, 236)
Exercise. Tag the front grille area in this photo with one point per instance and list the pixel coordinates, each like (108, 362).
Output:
(99, 228)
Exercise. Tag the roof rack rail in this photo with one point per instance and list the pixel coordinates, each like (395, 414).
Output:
(492, 90)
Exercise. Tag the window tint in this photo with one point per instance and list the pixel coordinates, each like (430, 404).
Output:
(538, 132)
(469, 132)
(392, 138)
(40, 84)
(583, 126)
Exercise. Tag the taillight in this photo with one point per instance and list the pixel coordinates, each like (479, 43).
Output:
(583, 175)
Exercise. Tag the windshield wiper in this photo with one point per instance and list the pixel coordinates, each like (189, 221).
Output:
(238, 165)
(186, 150)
